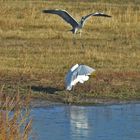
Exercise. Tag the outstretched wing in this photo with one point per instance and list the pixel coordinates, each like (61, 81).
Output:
(85, 70)
(65, 15)
(95, 14)
(70, 78)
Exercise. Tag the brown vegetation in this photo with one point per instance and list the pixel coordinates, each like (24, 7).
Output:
(36, 49)
(15, 123)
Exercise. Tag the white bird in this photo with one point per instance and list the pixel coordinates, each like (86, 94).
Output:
(78, 73)
(69, 19)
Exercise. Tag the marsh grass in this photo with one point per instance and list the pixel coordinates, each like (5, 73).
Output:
(15, 123)
(36, 49)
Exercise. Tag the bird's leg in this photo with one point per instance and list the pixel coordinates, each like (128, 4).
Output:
(74, 39)
(73, 88)
(80, 31)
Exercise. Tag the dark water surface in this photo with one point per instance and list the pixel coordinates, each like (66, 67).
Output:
(112, 122)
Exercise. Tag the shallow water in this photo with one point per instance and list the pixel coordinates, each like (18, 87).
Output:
(112, 122)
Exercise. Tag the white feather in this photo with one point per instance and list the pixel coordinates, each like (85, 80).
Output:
(78, 73)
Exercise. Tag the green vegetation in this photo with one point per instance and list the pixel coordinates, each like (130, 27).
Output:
(36, 50)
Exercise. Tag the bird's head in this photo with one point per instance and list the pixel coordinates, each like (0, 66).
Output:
(82, 19)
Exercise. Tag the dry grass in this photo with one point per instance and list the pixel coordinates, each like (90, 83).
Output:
(37, 49)
(14, 119)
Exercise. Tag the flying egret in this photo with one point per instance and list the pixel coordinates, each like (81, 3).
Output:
(78, 73)
(69, 19)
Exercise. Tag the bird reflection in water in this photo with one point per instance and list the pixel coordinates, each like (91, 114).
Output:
(79, 123)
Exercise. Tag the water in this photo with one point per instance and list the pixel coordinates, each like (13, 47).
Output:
(112, 122)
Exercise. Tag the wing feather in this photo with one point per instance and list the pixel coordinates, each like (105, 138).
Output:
(65, 15)
(96, 14)
(85, 70)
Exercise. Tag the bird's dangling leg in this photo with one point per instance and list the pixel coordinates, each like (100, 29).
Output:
(80, 32)
(73, 89)
(74, 39)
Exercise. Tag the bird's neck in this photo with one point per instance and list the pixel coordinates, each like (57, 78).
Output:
(81, 23)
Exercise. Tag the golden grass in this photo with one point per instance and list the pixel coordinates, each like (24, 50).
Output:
(37, 48)
(15, 123)
(32, 40)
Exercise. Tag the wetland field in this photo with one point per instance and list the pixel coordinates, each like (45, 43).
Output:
(36, 50)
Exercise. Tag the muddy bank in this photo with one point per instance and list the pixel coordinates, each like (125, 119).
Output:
(43, 103)
(94, 102)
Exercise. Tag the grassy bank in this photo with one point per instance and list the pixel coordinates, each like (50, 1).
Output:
(36, 50)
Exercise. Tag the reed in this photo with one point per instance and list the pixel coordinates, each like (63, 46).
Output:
(15, 123)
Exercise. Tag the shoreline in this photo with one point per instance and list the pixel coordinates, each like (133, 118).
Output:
(42, 103)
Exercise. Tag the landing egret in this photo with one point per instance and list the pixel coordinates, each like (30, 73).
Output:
(78, 73)
(69, 19)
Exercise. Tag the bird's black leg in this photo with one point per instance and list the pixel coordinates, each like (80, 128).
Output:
(80, 32)
(74, 39)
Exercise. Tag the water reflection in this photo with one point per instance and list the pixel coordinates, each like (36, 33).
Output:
(79, 123)
(117, 122)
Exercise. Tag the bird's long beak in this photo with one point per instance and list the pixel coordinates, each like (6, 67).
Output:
(93, 75)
